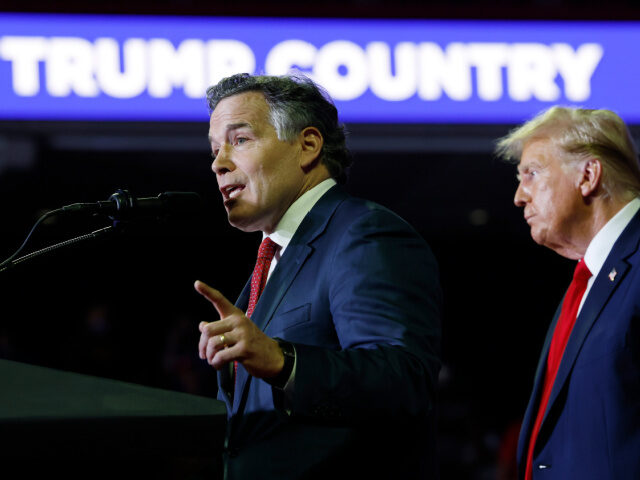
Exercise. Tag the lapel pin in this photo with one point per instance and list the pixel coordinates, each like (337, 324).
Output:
(612, 274)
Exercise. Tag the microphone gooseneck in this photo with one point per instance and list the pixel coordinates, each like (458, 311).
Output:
(122, 205)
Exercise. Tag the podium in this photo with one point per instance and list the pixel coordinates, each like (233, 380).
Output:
(54, 422)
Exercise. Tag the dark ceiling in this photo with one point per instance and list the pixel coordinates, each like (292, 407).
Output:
(501, 9)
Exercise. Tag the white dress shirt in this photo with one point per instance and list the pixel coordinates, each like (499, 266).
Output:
(283, 234)
(293, 217)
(601, 245)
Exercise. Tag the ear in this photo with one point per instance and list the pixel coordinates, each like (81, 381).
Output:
(591, 177)
(311, 142)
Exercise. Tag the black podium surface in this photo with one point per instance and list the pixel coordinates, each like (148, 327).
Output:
(82, 426)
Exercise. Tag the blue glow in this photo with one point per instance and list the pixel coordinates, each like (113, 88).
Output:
(466, 88)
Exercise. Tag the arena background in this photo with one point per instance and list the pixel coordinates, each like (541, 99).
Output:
(123, 307)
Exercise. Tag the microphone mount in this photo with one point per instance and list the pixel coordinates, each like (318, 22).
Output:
(121, 206)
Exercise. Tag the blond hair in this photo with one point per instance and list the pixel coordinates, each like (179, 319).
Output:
(583, 134)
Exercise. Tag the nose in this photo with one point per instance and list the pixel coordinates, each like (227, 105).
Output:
(222, 163)
(521, 197)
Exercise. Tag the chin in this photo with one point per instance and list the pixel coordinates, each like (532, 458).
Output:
(236, 220)
(542, 239)
(240, 225)
(243, 223)
(537, 237)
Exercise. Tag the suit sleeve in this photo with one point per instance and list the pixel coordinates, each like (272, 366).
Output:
(385, 303)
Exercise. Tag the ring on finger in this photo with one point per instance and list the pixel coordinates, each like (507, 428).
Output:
(223, 341)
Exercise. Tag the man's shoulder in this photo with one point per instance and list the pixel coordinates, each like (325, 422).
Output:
(349, 205)
(356, 209)
(338, 213)
(627, 245)
(347, 217)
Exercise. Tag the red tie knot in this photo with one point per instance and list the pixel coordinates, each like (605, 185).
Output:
(581, 273)
(267, 248)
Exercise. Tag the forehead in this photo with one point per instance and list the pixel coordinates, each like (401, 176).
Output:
(540, 152)
(248, 108)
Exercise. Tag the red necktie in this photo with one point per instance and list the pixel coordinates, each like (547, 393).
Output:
(559, 341)
(266, 252)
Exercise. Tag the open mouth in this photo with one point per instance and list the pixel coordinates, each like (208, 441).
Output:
(231, 191)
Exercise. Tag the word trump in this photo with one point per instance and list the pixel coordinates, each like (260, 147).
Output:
(76, 65)
(64, 66)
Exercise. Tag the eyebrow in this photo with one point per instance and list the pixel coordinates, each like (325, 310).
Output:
(230, 127)
(528, 166)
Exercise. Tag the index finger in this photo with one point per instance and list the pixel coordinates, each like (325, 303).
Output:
(224, 307)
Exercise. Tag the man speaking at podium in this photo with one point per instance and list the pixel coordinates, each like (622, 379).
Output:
(328, 360)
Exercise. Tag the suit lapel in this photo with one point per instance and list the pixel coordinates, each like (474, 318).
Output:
(243, 300)
(601, 290)
(280, 281)
(534, 400)
(225, 375)
(598, 297)
(295, 255)
(286, 270)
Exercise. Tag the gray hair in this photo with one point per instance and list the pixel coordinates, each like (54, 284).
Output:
(295, 102)
(583, 134)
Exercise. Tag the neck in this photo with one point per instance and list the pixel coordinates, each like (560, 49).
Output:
(314, 178)
(311, 180)
(600, 211)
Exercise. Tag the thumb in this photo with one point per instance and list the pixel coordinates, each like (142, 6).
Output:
(224, 307)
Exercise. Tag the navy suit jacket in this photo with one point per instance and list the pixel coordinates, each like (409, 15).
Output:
(357, 293)
(591, 428)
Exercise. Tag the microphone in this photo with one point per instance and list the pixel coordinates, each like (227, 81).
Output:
(123, 206)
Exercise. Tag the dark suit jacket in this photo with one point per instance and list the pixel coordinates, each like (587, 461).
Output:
(357, 293)
(591, 428)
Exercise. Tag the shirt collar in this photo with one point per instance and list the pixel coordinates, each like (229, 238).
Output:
(293, 217)
(599, 248)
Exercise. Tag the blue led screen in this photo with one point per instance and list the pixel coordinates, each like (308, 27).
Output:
(80, 67)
